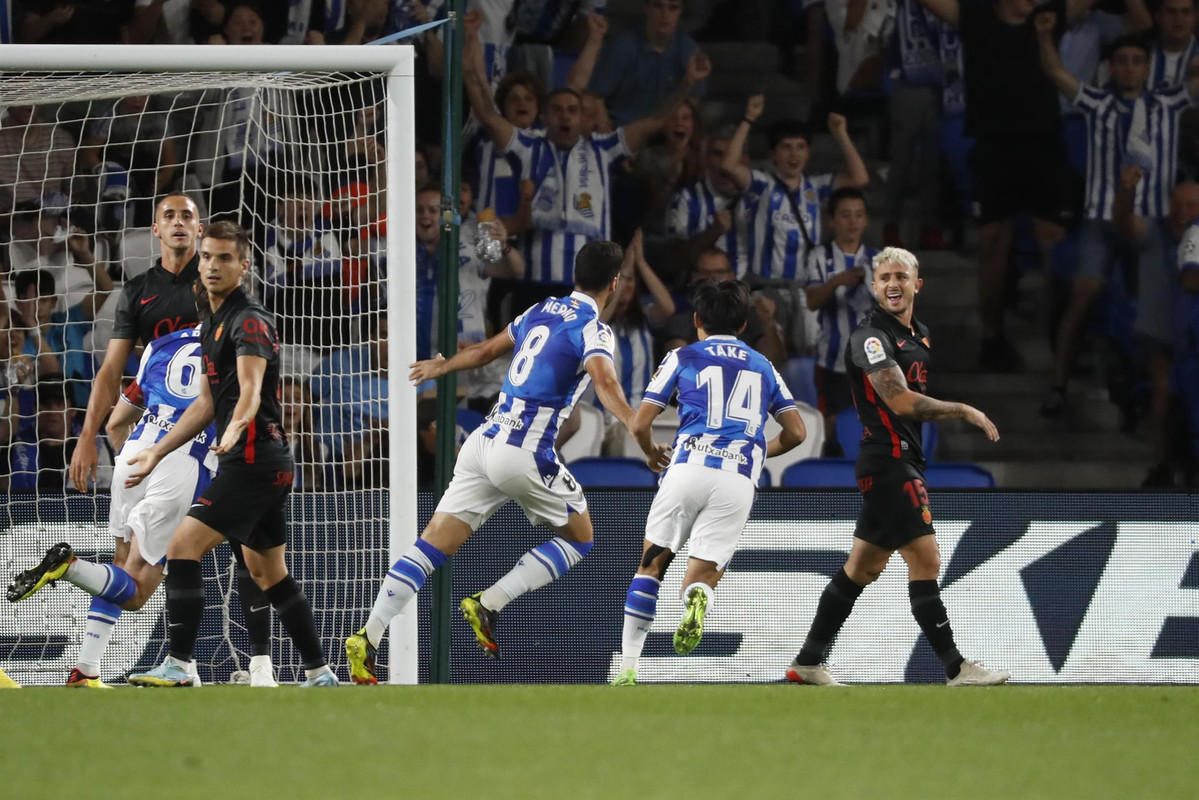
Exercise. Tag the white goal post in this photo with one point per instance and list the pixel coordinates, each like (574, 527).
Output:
(53, 76)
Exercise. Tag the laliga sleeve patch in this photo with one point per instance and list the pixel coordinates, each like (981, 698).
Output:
(874, 350)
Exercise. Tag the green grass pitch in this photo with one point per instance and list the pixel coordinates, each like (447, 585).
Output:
(601, 742)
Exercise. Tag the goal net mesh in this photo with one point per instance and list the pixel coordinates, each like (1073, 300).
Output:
(296, 158)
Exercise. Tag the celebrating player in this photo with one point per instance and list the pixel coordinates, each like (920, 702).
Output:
(246, 501)
(887, 362)
(561, 346)
(726, 389)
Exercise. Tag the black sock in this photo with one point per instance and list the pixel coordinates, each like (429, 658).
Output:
(836, 601)
(296, 615)
(185, 607)
(929, 612)
(257, 611)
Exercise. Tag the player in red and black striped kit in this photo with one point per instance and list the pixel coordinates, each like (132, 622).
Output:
(887, 362)
(247, 500)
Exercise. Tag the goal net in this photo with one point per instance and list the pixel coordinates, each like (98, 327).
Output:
(299, 145)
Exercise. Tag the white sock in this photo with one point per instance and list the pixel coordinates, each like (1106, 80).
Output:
(260, 661)
(91, 578)
(641, 605)
(535, 569)
(101, 617)
(400, 585)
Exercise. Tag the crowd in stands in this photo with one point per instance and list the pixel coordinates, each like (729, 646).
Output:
(1066, 130)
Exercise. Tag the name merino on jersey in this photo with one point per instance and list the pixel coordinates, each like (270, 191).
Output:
(553, 341)
(168, 380)
(726, 389)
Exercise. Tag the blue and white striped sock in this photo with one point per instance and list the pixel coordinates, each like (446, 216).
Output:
(640, 607)
(401, 584)
(101, 616)
(102, 580)
(544, 563)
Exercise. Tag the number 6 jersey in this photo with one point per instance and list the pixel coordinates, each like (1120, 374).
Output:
(553, 340)
(726, 389)
(168, 380)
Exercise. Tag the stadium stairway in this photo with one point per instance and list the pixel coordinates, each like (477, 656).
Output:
(1083, 450)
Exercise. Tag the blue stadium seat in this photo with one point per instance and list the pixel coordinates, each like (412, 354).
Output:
(821, 473)
(468, 419)
(799, 375)
(764, 479)
(849, 434)
(957, 475)
(600, 472)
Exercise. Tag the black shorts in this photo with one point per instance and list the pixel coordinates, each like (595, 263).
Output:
(1020, 176)
(894, 506)
(832, 391)
(248, 504)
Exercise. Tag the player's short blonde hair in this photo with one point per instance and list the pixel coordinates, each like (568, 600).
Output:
(896, 255)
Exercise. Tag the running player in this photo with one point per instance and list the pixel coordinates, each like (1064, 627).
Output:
(887, 360)
(726, 389)
(561, 346)
(246, 501)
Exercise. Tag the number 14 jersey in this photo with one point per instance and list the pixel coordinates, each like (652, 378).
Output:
(554, 340)
(726, 389)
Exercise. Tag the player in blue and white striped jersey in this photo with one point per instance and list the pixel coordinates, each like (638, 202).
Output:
(1175, 54)
(784, 204)
(709, 213)
(570, 171)
(561, 346)
(725, 391)
(838, 281)
(147, 515)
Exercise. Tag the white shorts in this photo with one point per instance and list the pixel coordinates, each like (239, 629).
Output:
(489, 473)
(705, 505)
(153, 509)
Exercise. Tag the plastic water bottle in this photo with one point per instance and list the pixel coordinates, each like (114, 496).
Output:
(489, 237)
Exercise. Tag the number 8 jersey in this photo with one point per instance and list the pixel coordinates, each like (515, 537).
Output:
(553, 340)
(726, 389)
(168, 380)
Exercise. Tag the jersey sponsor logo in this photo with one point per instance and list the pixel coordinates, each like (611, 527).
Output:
(167, 325)
(148, 299)
(918, 373)
(874, 350)
(694, 445)
(507, 420)
(283, 478)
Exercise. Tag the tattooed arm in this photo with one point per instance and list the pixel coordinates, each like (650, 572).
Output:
(893, 388)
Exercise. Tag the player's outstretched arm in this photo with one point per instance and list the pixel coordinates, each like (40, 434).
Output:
(893, 388)
(792, 435)
(194, 419)
(467, 358)
(611, 394)
(103, 396)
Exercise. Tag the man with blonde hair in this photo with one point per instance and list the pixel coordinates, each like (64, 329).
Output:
(887, 361)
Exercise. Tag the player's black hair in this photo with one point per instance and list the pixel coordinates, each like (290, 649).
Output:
(787, 129)
(1133, 40)
(41, 279)
(722, 307)
(168, 196)
(840, 195)
(597, 264)
(228, 231)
